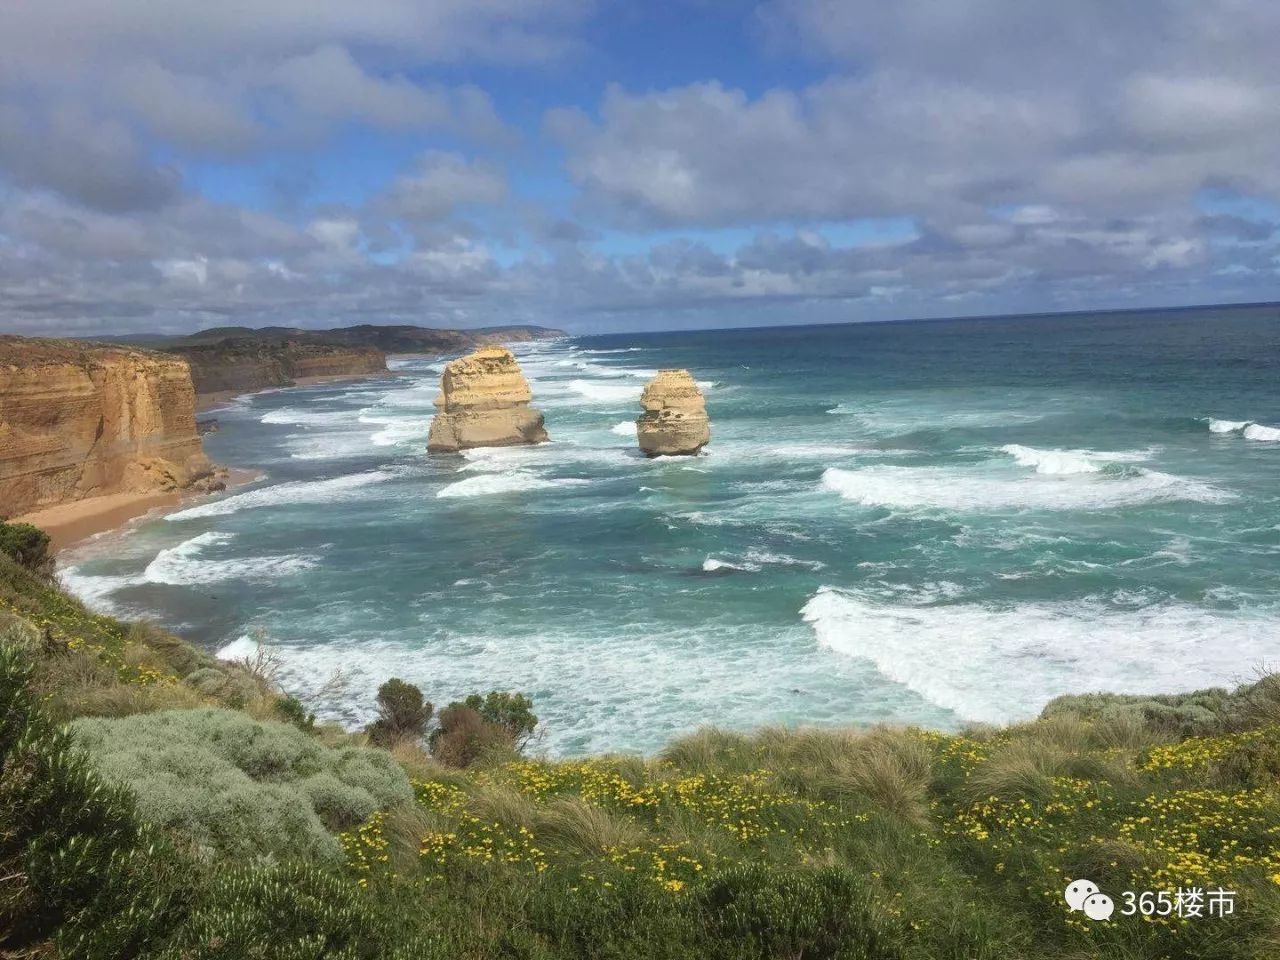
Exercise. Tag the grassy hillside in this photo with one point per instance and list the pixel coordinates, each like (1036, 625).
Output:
(190, 810)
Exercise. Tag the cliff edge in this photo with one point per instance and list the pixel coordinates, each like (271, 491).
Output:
(80, 420)
(484, 402)
(675, 419)
(242, 365)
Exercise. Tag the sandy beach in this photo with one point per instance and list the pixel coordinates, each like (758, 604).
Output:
(69, 523)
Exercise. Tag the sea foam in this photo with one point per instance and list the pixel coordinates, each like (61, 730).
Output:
(1003, 664)
(185, 564)
(1227, 426)
(606, 392)
(512, 481)
(286, 494)
(964, 489)
(1256, 431)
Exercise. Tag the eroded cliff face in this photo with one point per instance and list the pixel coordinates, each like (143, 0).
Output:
(81, 421)
(244, 365)
(484, 402)
(675, 419)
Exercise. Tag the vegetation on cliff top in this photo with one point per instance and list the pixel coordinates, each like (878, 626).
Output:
(882, 843)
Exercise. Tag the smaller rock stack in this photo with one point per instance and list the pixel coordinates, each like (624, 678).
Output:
(484, 402)
(675, 420)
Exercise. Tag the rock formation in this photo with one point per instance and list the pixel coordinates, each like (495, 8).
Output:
(80, 421)
(484, 402)
(675, 420)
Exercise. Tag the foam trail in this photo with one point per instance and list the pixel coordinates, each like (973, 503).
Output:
(1001, 665)
(284, 494)
(627, 428)
(712, 565)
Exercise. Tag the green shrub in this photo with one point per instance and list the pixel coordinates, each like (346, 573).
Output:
(464, 736)
(1186, 714)
(820, 915)
(294, 912)
(78, 866)
(511, 711)
(403, 714)
(27, 545)
(240, 787)
(291, 710)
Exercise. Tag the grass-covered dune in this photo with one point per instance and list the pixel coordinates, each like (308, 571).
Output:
(156, 803)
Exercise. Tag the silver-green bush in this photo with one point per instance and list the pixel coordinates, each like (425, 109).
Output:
(241, 787)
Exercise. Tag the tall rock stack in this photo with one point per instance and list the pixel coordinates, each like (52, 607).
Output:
(675, 420)
(484, 402)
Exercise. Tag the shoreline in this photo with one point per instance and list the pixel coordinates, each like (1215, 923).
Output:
(69, 524)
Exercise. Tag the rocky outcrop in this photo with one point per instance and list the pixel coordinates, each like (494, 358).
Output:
(80, 421)
(484, 402)
(248, 364)
(675, 420)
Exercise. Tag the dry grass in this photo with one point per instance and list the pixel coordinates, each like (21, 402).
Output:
(1020, 768)
(711, 749)
(572, 825)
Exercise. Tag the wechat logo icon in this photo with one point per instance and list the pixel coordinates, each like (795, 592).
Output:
(1085, 895)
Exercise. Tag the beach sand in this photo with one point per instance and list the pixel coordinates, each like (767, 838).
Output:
(69, 523)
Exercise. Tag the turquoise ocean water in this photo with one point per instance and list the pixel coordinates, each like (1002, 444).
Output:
(920, 522)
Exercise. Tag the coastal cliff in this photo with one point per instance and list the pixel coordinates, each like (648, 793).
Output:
(484, 402)
(242, 365)
(675, 420)
(80, 421)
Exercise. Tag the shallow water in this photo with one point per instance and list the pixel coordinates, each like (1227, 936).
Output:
(928, 522)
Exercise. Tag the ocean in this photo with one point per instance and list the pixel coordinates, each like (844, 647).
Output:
(933, 523)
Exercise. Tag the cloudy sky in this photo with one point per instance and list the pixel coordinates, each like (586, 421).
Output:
(608, 165)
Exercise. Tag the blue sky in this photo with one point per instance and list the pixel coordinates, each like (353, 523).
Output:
(599, 165)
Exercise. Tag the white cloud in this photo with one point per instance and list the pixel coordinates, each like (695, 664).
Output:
(440, 183)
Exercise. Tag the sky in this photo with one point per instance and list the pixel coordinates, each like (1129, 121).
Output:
(605, 165)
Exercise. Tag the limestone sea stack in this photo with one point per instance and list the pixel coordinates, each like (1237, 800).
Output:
(675, 420)
(484, 402)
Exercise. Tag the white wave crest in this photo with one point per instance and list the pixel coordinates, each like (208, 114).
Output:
(284, 494)
(1051, 461)
(1256, 431)
(184, 564)
(976, 490)
(1227, 426)
(1000, 665)
(94, 590)
(627, 428)
(606, 392)
(293, 416)
(712, 565)
(512, 481)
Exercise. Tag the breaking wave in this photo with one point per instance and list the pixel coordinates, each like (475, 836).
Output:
(998, 665)
(512, 481)
(285, 494)
(975, 490)
(185, 564)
